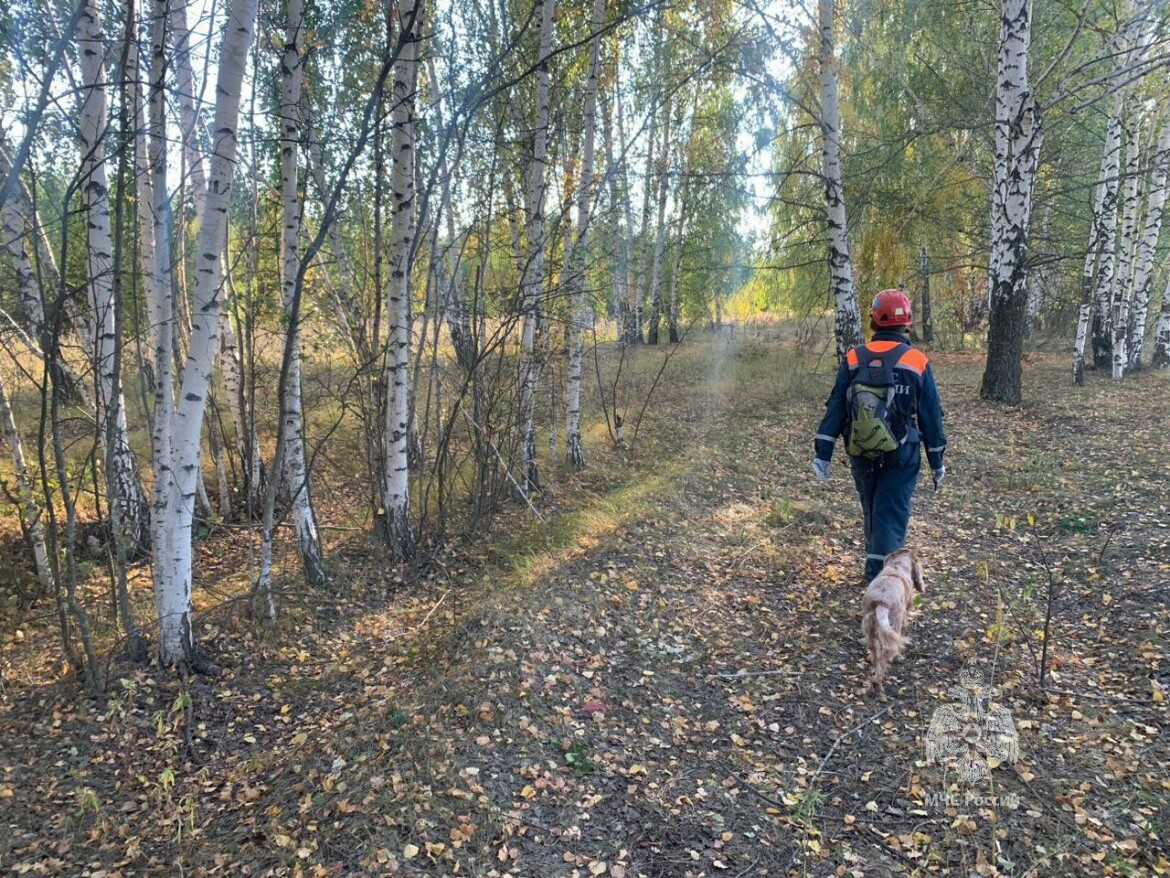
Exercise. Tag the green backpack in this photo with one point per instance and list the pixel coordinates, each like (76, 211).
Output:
(870, 400)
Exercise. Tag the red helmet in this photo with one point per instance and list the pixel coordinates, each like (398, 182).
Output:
(891, 308)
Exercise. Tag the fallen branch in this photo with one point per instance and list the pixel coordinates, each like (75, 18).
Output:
(842, 737)
(734, 674)
(427, 618)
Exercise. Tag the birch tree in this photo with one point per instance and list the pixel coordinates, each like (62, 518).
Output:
(1018, 138)
(398, 532)
(640, 281)
(580, 310)
(927, 318)
(847, 326)
(125, 489)
(1098, 268)
(194, 136)
(620, 216)
(1121, 294)
(659, 230)
(1161, 355)
(532, 278)
(1147, 247)
(180, 410)
(294, 471)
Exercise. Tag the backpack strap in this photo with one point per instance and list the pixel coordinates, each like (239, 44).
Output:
(876, 361)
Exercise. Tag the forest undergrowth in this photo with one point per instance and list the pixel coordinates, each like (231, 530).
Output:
(662, 675)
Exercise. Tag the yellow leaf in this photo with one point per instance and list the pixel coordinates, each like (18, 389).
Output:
(598, 868)
(410, 851)
(528, 792)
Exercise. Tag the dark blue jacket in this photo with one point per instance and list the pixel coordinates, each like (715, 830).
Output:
(916, 399)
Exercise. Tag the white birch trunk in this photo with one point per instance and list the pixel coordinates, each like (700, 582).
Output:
(1147, 249)
(680, 233)
(619, 236)
(638, 283)
(122, 470)
(532, 279)
(146, 167)
(189, 121)
(20, 203)
(397, 530)
(30, 510)
(178, 465)
(1038, 288)
(1018, 139)
(1100, 250)
(848, 320)
(581, 311)
(153, 213)
(1161, 356)
(1102, 339)
(12, 228)
(1122, 291)
(193, 133)
(294, 472)
(659, 230)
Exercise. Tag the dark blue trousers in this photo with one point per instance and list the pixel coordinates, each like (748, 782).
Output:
(885, 487)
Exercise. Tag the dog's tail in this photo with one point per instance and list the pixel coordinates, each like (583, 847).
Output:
(892, 642)
(885, 644)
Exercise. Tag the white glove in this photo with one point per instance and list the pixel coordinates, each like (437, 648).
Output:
(938, 475)
(821, 467)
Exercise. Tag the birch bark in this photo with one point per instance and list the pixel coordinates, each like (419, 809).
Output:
(122, 469)
(294, 472)
(638, 283)
(1161, 356)
(1122, 289)
(581, 312)
(397, 530)
(659, 230)
(177, 463)
(676, 269)
(927, 320)
(1147, 248)
(847, 325)
(194, 135)
(1018, 138)
(619, 236)
(1099, 254)
(532, 279)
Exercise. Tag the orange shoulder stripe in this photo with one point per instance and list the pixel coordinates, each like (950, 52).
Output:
(851, 358)
(880, 347)
(914, 359)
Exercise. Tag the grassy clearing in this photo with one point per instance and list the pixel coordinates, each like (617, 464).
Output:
(663, 676)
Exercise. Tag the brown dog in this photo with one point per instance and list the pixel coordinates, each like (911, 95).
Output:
(886, 606)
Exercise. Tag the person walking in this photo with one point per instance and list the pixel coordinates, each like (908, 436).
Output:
(885, 402)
